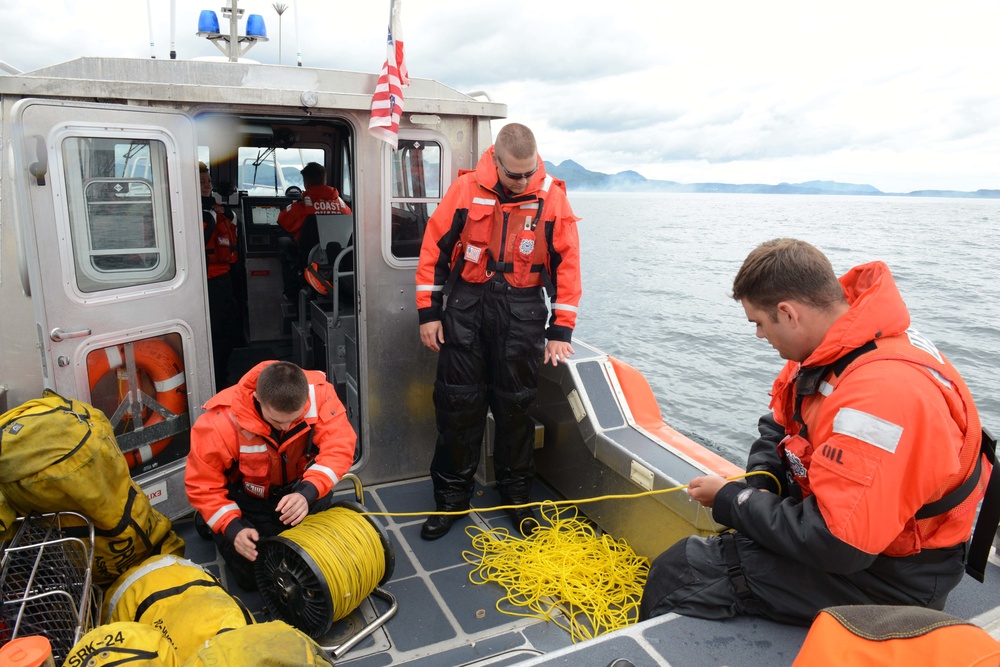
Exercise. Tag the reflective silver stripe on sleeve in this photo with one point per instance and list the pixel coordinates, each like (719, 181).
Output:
(868, 428)
(326, 471)
(430, 288)
(252, 449)
(547, 183)
(483, 200)
(218, 515)
(563, 306)
(313, 409)
(825, 388)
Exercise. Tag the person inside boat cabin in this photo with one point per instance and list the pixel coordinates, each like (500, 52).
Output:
(872, 454)
(220, 255)
(501, 233)
(264, 454)
(299, 220)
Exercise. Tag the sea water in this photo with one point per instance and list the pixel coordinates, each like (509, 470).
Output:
(658, 272)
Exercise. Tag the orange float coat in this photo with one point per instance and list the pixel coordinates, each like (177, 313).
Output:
(478, 226)
(232, 444)
(881, 433)
(220, 241)
(322, 199)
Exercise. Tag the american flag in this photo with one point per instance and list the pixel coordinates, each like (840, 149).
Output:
(387, 102)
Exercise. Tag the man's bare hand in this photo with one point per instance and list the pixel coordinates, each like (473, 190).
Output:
(556, 351)
(432, 335)
(246, 543)
(293, 508)
(704, 489)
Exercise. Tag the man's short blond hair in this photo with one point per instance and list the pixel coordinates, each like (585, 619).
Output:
(516, 141)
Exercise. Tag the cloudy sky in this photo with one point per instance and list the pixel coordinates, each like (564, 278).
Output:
(902, 95)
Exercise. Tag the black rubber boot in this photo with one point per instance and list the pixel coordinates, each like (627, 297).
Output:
(523, 519)
(436, 526)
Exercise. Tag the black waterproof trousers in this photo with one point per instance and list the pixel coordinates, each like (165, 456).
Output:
(494, 342)
(723, 576)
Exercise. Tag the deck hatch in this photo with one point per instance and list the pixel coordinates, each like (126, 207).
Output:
(602, 399)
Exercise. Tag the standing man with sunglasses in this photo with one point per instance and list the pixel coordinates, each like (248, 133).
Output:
(501, 234)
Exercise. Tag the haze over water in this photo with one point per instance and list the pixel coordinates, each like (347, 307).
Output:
(658, 271)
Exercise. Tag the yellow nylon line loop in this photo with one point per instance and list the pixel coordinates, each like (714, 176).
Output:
(579, 501)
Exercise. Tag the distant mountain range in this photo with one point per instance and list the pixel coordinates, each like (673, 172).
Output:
(583, 180)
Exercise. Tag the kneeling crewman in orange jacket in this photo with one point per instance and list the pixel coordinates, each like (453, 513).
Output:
(267, 452)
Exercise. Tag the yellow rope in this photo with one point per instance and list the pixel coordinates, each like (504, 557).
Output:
(348, 552)
(595, 582)
(579, 501)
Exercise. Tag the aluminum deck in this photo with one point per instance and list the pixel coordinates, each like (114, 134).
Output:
(443, 620)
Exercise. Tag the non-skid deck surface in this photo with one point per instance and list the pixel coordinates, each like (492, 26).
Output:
(444, 620)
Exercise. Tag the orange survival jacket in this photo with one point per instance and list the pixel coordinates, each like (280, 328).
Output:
(884, 431)
(232, 444)
(220, 241)
(480, 230)
(321, 199)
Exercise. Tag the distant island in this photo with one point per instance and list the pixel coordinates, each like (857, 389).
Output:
(583, 180)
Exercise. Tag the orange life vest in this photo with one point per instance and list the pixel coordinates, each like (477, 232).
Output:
(799, 408)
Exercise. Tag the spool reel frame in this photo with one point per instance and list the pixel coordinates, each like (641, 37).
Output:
(293, 588)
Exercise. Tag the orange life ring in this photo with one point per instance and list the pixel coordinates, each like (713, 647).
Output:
(158, 361)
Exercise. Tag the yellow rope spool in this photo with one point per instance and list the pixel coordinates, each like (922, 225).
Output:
(594, 581)
(319, 571)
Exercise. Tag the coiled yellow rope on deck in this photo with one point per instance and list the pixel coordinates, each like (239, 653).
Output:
(595, 581)
(348, 552)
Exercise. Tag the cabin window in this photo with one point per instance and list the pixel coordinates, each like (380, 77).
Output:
(416, 191)
(119, 212)
(270, 171)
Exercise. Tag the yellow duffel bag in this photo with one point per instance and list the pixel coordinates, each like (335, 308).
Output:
(7, 517)
(271, 644)
(123, 644)
(60, 455)
(179, 598)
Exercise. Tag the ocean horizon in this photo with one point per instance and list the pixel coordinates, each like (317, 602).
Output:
(658, 270)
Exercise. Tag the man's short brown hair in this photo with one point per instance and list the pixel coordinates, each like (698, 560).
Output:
(313, 174)
(517, 141)
(787, 269)
(283, 386)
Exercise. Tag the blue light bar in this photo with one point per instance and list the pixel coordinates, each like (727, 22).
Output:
(208, 21)
(255, 26)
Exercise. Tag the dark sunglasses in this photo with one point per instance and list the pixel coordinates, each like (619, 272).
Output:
(517, 177)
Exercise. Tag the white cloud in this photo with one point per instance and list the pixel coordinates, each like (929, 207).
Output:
(897, 94)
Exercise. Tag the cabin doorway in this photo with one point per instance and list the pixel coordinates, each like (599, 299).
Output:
(296, 289)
